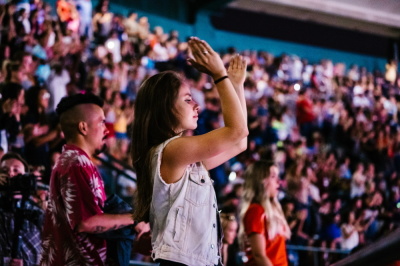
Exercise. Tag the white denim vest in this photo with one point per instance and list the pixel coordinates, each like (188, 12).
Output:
(183, 216)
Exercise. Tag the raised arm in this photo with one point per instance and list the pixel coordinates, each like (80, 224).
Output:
(185, 150)
(237, 75)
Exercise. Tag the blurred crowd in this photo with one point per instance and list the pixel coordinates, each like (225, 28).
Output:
(332, 129)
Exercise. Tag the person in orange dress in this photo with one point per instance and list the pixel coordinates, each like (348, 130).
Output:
(263, 229)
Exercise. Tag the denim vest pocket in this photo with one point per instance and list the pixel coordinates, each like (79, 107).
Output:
(178, 224)
(199, 189)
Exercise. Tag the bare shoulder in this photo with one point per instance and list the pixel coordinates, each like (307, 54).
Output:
(171, 170)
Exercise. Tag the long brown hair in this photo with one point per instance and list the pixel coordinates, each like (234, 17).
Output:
(155, 121)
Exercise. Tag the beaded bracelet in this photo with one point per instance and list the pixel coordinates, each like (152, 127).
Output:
(220, 79)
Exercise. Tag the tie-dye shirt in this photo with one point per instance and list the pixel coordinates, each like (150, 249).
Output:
(76, 194)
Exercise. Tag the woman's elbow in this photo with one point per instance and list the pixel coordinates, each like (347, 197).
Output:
(242, 133)
(245, 132)
(236, 135)
(243, 145)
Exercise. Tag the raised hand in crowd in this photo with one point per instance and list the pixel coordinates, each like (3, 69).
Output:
(205, 59)
(237, 70)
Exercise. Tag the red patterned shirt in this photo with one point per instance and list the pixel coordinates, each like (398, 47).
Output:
(76, 194)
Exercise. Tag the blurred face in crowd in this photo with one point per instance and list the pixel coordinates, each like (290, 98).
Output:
(18, 74)
(230, 231)
(27, 63)
(337, 218)
(12, 167)
(271, 183)
(117, 100)
(104, 8)
(212, 103)
(133, 16)
(352, 217)
(44, 98)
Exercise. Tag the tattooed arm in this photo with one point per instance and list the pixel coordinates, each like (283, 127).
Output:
(101, 223)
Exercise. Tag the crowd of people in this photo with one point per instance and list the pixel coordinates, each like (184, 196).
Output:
(331, 130)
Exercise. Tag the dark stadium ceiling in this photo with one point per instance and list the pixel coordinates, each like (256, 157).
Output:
(381, 17)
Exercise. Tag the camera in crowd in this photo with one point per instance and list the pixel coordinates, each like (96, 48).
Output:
(23, 184)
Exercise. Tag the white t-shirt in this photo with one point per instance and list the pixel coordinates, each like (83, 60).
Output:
(58, 86)
(352, 240)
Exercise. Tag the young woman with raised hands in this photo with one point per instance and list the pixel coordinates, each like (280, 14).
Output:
(175, 192)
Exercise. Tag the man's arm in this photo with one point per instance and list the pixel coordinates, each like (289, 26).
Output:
(101, 223)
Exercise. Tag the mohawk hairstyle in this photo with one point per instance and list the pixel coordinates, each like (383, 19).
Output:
(69, 102)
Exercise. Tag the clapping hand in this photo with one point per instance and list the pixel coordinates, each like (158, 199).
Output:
(237, 70)
(205, 59)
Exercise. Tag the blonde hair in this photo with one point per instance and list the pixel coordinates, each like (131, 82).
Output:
(226, 219)
(254, 192)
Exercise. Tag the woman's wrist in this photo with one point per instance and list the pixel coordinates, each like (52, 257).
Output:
(216, 81)
(219, 75)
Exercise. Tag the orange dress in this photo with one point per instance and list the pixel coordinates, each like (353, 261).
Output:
(255, 222)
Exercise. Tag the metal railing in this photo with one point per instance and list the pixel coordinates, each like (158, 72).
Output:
(316, 251)
(112, 170)
(109, 161)
(382, 252)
